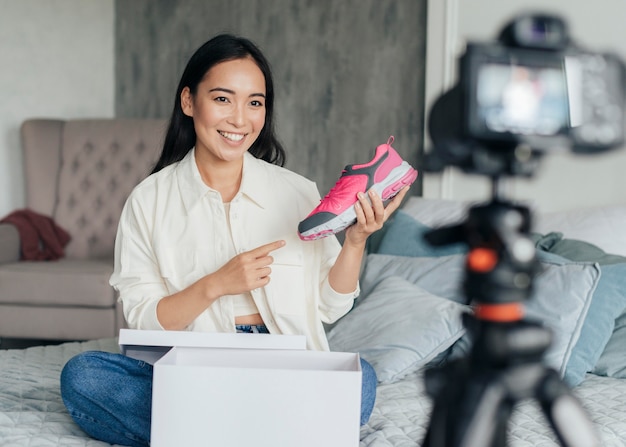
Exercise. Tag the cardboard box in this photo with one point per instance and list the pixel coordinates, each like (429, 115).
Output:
(150, 346)
(256, 397)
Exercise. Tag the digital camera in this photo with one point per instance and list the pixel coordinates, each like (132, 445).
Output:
(531, 89)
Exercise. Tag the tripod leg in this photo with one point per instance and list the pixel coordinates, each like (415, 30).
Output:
(470, 412)
(565, 413)
(490, 413)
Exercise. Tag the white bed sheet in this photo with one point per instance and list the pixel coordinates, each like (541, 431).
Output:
(400, 417)
(32, 413)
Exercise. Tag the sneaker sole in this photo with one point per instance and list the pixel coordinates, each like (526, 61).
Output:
(397, 179)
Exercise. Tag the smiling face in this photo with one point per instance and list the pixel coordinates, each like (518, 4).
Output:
(228, 109)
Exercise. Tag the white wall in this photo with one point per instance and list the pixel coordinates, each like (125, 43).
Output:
(57, 59)
(563, 181)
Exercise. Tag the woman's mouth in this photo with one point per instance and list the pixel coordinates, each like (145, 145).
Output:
(232, 136)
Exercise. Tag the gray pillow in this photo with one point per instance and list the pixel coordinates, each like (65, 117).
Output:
(398, 328)
(404, 236)
(439, 275)
(575, 250)
(561, 298)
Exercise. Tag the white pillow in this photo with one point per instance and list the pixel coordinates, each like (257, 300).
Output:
(603, 226)
(436, 212)
(398, 328)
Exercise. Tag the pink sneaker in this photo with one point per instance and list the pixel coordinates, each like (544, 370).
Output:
(386, 173)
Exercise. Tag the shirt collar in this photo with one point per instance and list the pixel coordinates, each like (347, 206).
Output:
(255, 181)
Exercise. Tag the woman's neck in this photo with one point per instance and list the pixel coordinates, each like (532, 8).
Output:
(222, 176)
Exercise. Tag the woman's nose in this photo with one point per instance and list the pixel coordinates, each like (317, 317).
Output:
(238, 115)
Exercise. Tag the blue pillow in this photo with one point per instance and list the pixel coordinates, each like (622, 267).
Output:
(609, 301)
(404, 236)
(612, 362)
(398, 328)
(561, 299)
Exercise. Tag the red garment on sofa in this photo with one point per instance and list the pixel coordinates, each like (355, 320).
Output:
(41, 238)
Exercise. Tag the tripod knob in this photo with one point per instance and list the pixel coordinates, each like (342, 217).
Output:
(482, 260)
(500, 343)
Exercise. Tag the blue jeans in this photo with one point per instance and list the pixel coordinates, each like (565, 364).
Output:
(110, 396)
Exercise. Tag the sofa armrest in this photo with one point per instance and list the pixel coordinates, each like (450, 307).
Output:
(9, 243)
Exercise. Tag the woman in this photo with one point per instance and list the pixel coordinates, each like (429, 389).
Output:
(208, 242)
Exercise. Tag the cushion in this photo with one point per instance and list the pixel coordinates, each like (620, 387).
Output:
(404, 236)
(600, 226)
(575, 250)
(66, 282)
(608, 304)
(398, 328)
(437, 212)
(612, 362)
(563, 312)
(439, 275)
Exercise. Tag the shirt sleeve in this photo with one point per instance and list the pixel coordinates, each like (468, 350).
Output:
(333, 305)
(136, 275)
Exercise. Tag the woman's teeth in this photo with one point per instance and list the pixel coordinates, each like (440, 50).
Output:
(232, 136)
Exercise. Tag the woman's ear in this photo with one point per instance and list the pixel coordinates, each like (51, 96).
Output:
(186, 101)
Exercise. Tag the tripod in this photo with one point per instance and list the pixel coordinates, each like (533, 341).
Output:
(474, 396)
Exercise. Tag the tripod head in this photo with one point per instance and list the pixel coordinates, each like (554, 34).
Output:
(502, 258)
(500, 266)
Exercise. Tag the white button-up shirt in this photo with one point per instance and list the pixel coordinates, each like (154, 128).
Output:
(173, 230)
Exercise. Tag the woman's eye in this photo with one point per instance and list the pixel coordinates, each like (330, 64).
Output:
(221, 99)
(256, 103)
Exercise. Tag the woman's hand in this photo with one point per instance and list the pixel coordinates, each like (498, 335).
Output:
(370, 217)
(371, 214)
(246, 271)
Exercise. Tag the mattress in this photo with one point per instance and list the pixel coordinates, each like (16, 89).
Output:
(32, 413)
(401, 415)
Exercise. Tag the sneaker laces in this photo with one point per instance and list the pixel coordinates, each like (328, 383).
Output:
(340, 191)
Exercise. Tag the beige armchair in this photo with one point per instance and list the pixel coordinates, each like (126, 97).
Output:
(78, 172)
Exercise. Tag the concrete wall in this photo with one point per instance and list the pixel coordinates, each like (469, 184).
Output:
(348, 74)
(57, 61)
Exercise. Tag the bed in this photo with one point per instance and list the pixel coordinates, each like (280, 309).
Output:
(407, 319)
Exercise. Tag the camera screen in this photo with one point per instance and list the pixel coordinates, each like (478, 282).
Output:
(522, 99)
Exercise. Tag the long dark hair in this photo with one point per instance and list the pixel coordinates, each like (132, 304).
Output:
(181, 135)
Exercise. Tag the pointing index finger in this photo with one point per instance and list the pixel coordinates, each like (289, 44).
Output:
(264, 250)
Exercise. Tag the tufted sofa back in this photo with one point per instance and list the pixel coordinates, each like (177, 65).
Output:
(80, 172)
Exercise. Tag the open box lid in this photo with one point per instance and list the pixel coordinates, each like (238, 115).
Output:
(150, 346)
